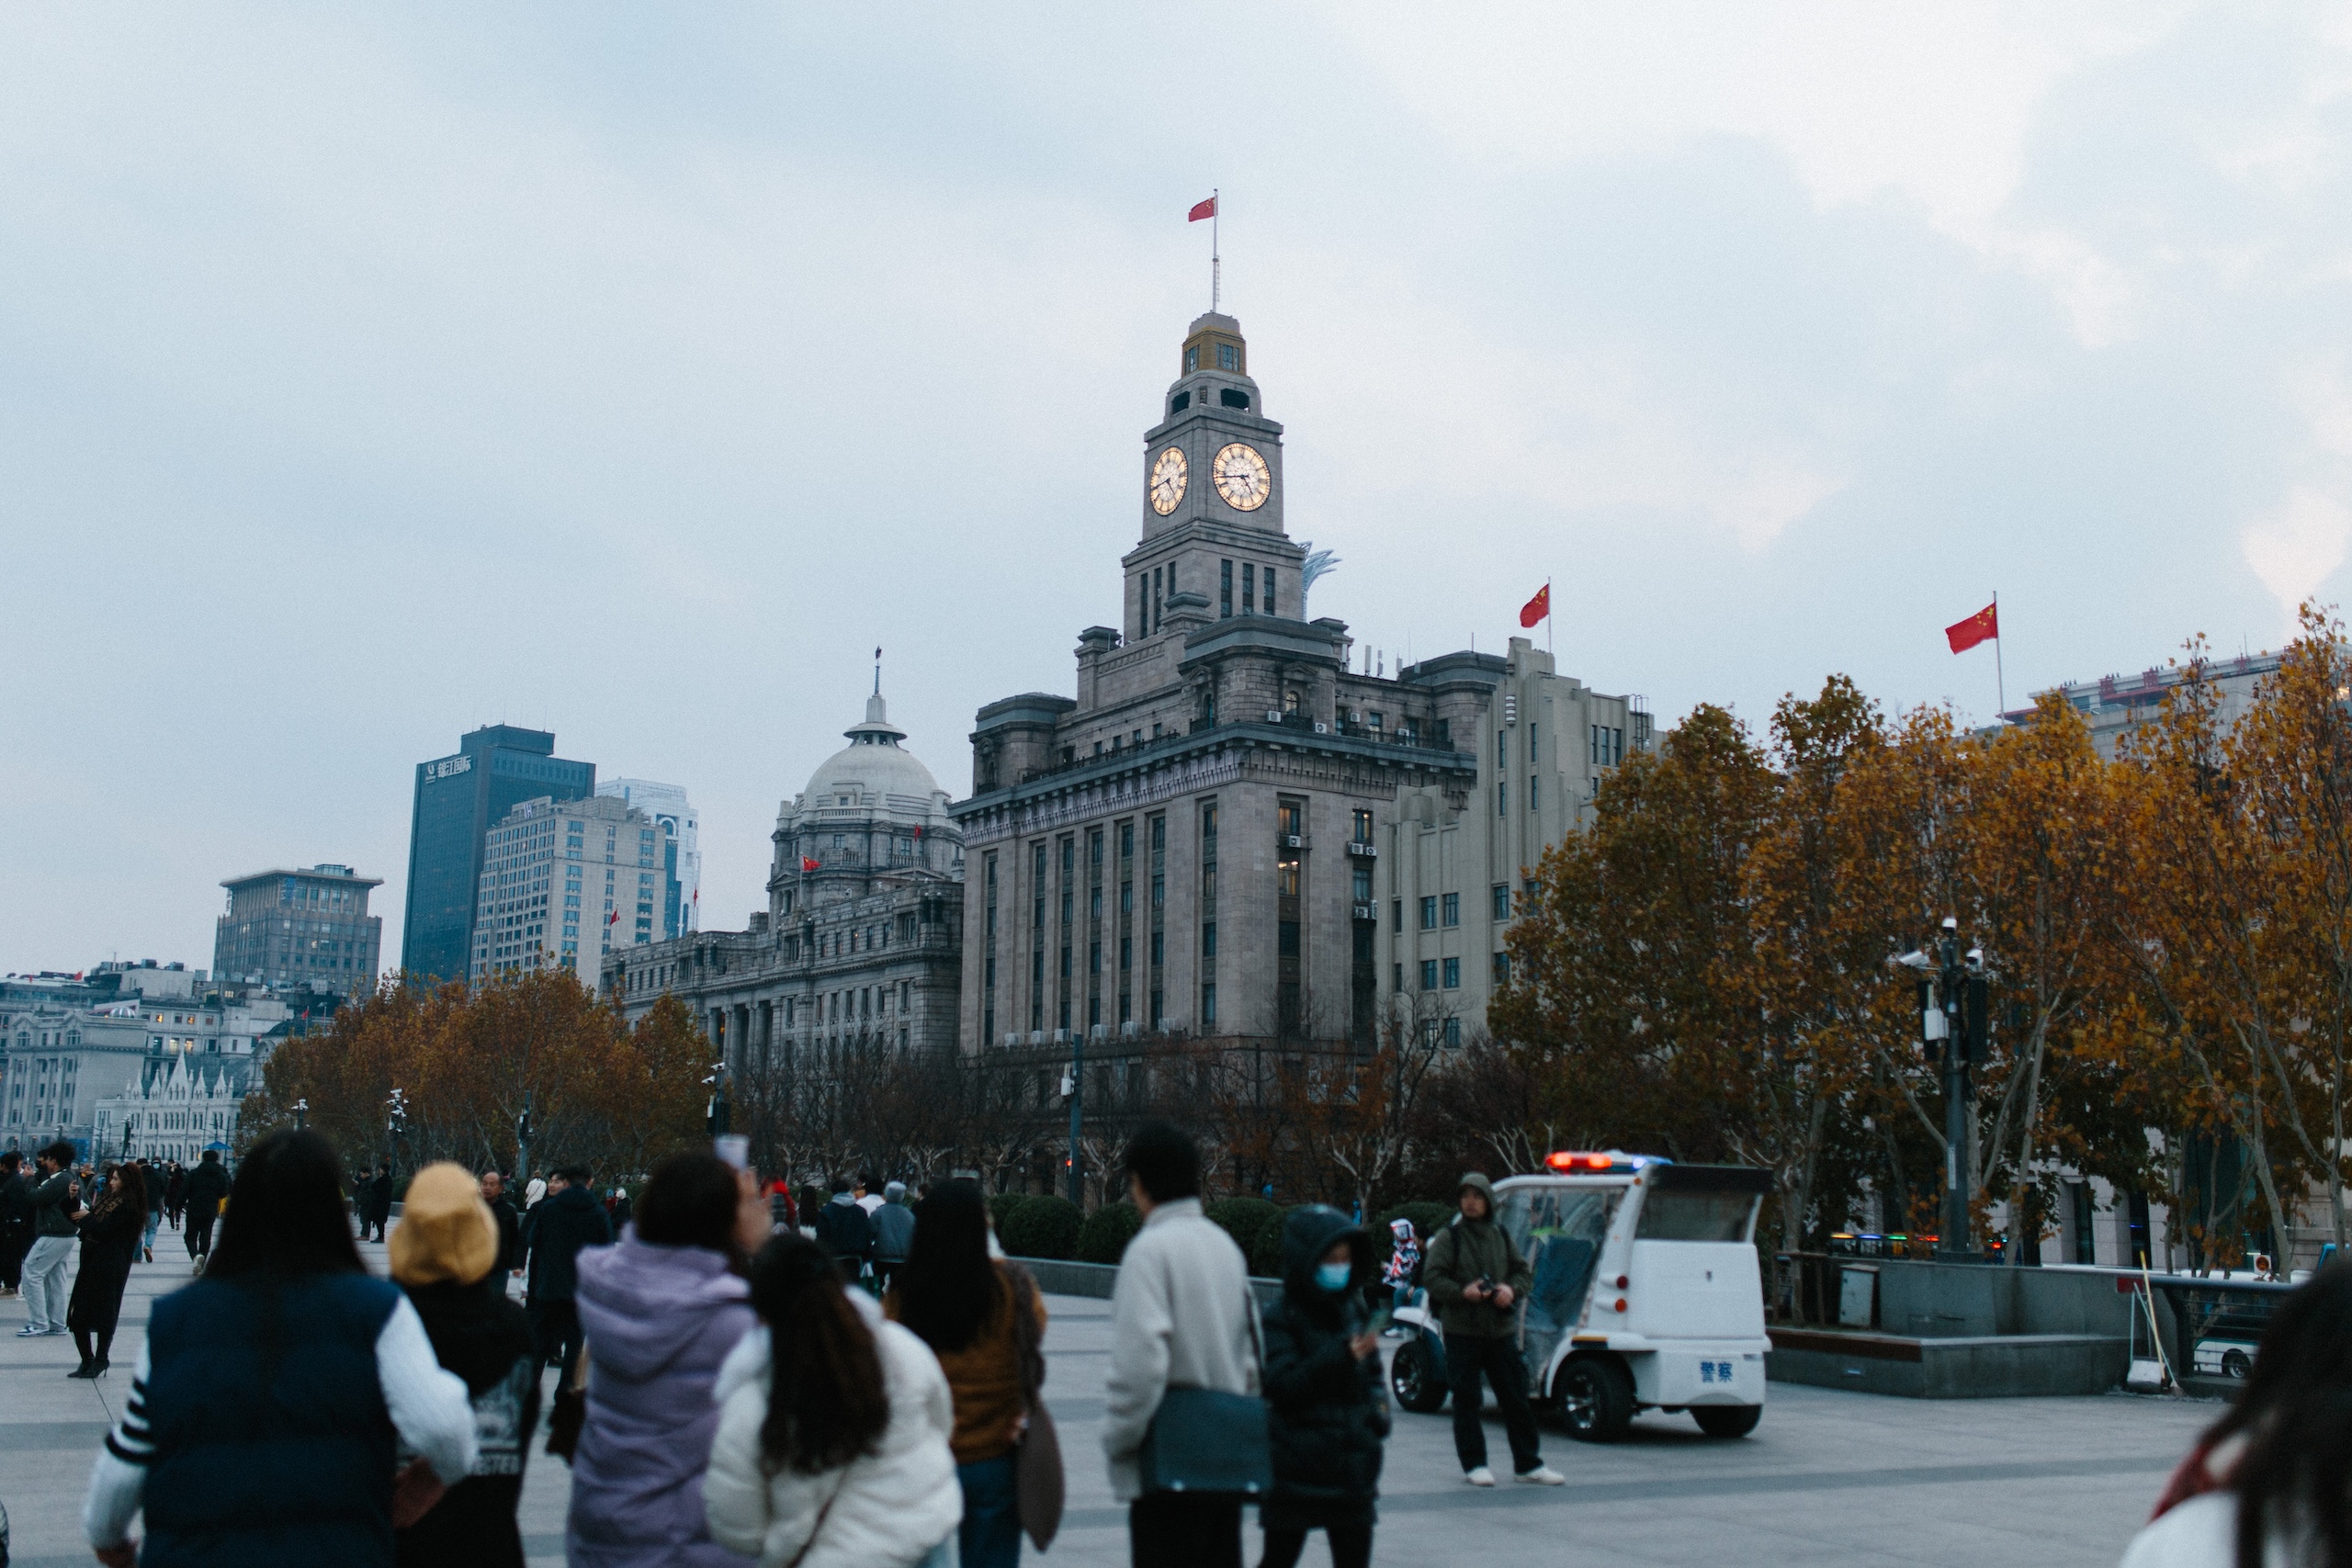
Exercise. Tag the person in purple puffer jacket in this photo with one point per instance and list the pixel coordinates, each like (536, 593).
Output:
(661, 1310)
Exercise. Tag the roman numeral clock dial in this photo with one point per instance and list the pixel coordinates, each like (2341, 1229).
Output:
(1167, 481)
(1241, 476)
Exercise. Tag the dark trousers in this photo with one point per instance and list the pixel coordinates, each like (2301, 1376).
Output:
(1351, 1547)
(990, 1536)
(1465, 1358)
(200, 1233)
(555, 1329)
(1170, 1529)
(14, 1241)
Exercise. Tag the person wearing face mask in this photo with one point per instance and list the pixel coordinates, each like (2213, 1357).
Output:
(1326, 1406)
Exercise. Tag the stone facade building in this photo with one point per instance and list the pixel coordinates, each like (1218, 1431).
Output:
(855, 955)
(1194, 843)
(72, 1047)
(300, 928)
(546, 865)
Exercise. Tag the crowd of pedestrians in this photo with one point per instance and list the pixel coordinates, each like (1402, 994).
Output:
(733, 1387)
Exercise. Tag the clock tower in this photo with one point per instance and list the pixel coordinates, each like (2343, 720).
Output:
(1211, 496)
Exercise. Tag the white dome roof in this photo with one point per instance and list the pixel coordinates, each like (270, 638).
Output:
(873, 771)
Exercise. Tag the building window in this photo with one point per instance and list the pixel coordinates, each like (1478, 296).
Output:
(1208, 1002)
(1208, 939)
(1503, 901)
(1286, 938)
(1248, 588)
(1228, 357)
(1534, 800)
(1429, 913)
(1502, 968)
(1362, 826)
(1224, 588)
(1453, 907)
(1362, 883)
(1397, 918)
(1269, 590)
(1429, 974)
(1192, 358)
(1454, 1032)
(1453, 974)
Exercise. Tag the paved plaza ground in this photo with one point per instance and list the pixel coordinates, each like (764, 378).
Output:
(1829, 1478)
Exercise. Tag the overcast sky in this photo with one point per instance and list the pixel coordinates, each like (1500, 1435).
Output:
(632, 372)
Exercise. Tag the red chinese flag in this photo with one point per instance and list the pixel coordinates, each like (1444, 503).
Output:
(1535, 609)
(1981, 626)
(808, 864)
(1202, 209)
(610, 918)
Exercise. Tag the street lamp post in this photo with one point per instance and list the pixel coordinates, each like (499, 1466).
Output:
(522, 1141)
(718, 1106)
(397, 1125)
(1956, 1006)
(1075, 1087)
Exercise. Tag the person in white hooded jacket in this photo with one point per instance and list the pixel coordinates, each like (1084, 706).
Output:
(833, 1446)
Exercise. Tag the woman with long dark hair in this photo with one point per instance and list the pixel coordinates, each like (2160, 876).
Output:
(832, 1436)
(985, 1320)
(110, 1231)
(267, 1402)
(659, 1309)
(2269, 1485)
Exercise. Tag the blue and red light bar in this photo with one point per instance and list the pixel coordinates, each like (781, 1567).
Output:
(1579, 1162)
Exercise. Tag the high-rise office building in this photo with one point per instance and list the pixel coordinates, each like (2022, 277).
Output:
(496, 769)
(530, 915)
(295, 928)
(681, 849)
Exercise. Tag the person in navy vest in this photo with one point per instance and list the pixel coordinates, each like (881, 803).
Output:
(274, 1393)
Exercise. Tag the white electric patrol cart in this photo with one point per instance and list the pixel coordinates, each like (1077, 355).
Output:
(1647, 1295)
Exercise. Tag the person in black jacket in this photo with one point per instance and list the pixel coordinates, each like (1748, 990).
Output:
(1326, 1409)
(110, 1230)
(563, 1222)
(16, 1221)
(376, 1203)
(445, 1254)
(207, 1184)
(844, 1229)
(510, 1226)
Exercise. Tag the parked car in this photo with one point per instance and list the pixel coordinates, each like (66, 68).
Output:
(2225, 1347)
(1647, 1295)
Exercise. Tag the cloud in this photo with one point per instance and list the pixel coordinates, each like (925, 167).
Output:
(2296, 549)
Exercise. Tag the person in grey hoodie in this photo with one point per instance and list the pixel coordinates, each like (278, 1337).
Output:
(1182, 1315)
(662, 1310)
(1479, 1282)
(894, 1235)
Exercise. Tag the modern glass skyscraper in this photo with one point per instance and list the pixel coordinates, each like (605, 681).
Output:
(457, 797)
(681, 851)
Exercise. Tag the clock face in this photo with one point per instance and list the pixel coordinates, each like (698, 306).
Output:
(1241, 478)
(1167, 481)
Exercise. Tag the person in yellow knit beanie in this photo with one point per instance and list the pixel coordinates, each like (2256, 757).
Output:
(444, 1253)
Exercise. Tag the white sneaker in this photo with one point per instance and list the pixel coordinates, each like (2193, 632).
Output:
(30, 1332)
(1542, 1475)
(1481, 1476)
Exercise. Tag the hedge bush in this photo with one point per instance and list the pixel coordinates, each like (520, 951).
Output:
(1041, 1227)
(1104, 1237)
(1243, 1219)
(1000, 1209)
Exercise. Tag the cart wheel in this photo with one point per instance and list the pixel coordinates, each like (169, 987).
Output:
(1727, 1420)
(1596, 1397)
(1412, 1374)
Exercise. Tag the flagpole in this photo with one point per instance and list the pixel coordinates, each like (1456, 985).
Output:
(1216, 259)
(1548, 648)
(2001, 680)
